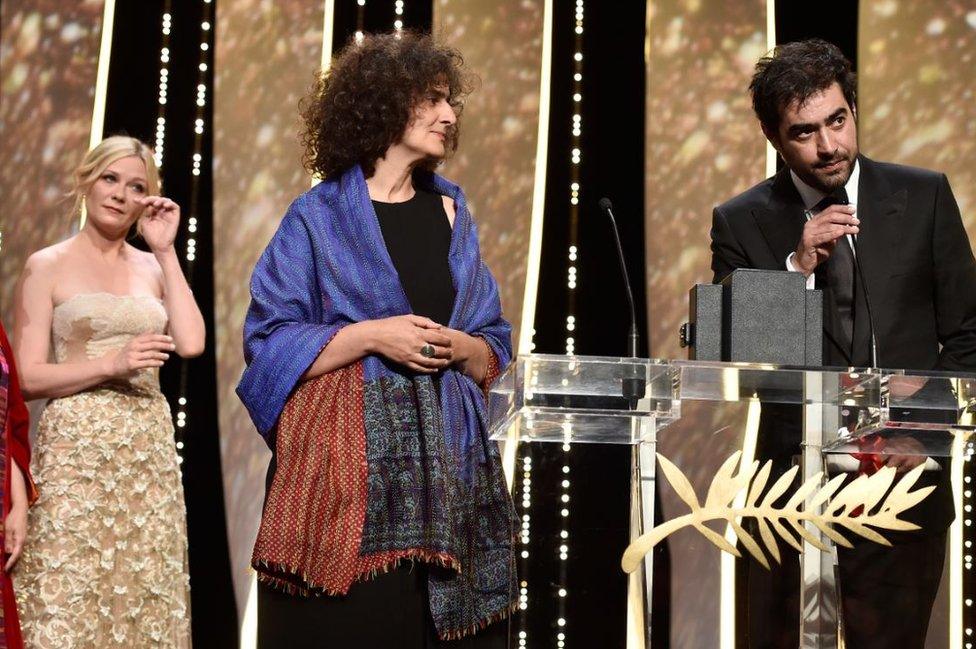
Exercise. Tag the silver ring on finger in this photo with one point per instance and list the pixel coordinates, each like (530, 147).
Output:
(427, 351)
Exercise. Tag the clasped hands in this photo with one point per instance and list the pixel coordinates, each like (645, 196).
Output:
(821, 234)
(401, 339)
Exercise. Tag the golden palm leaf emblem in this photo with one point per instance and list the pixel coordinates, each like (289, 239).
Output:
(863, 505)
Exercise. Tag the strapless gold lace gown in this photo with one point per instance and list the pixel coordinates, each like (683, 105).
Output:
(105, 560)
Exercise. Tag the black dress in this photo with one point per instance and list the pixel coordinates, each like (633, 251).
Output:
(391, 610)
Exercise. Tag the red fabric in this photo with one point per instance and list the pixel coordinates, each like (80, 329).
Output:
(313, 518)
(16, 427)
(871, 460)
(870, 449)
(492, 372)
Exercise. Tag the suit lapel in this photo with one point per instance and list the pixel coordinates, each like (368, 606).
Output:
(781, 221)
(877, 208)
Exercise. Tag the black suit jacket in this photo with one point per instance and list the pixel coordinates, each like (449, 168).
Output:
(920, 274)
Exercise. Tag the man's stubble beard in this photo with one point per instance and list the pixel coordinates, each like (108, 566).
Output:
(830, 182)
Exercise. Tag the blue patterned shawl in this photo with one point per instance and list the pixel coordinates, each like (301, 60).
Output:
(326, 267)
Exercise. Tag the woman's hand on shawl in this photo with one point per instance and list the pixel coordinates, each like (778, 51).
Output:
(401, 338)
(471, 354)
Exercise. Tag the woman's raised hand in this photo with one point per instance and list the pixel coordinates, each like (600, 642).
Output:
(144, 350)
(402, 339)
(160, 221)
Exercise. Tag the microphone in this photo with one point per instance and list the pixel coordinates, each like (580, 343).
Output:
(840, 194)
(633, 387)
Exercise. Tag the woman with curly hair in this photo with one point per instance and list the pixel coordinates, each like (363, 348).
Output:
(373, 332)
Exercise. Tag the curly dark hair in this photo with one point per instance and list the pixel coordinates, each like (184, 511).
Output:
(363, 104)
(795, 72)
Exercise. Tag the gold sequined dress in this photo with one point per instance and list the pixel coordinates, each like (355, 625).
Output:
(105, 560)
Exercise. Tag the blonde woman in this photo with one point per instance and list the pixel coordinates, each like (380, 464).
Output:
(105, 562)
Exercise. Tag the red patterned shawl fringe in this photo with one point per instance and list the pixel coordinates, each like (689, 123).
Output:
(294, 582)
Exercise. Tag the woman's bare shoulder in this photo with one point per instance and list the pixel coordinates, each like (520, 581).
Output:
(51, 257)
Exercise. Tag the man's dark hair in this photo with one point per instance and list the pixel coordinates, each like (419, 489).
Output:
(795, 72)
(363, 104)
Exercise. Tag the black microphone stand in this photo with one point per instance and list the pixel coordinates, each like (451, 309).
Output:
(633, 387)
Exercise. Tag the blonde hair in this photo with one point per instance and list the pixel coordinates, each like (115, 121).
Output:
(105, 153)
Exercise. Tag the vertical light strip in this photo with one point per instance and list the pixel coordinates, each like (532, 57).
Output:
(101, 80)
(328, 21)
(398, 16)
(328, 24)
(563, 541)
(526, 330)
(576, 130)
(199, 123)
(249, 624)
(101, 85)
(960, 458)
(770, 45)
(159, 146)
(523, 601)
(955, 543)
(360, 20)
(727, 578)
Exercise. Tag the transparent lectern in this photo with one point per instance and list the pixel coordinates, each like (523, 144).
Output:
(697, 414)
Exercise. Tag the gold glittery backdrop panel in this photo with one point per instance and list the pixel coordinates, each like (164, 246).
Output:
(917, 65)
(495, 163)
(703, 143)
(916, 106)
(48, 64)
(703, 146)
(266, 55)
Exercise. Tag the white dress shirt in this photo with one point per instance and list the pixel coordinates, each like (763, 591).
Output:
(811, 197)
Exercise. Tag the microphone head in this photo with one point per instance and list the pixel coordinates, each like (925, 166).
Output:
(840, 195)
(605, 204)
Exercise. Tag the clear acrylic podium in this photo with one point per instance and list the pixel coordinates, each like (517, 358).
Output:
(697, 414)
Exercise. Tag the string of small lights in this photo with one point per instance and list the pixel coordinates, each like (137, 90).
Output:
(523, 601)
(192, 222)
(360, 20)
(969, 588)
(398, 17)
(576, 130)
(160, 143)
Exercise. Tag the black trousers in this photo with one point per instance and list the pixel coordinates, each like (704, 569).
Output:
(886, 595)
(389, 611)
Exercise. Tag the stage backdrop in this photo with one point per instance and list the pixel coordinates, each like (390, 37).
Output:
(496, 161)
(703, 143)
(917, 74)
(48, 63)
(266, 56)
(703, 146)
(916, 107)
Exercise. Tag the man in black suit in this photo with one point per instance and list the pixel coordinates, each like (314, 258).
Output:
(911, 305)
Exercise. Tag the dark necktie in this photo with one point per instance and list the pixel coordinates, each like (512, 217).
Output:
(838, 271)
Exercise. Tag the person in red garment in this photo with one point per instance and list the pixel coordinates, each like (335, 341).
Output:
(18, 487)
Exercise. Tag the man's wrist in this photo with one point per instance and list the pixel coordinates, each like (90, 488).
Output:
(793, 265)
